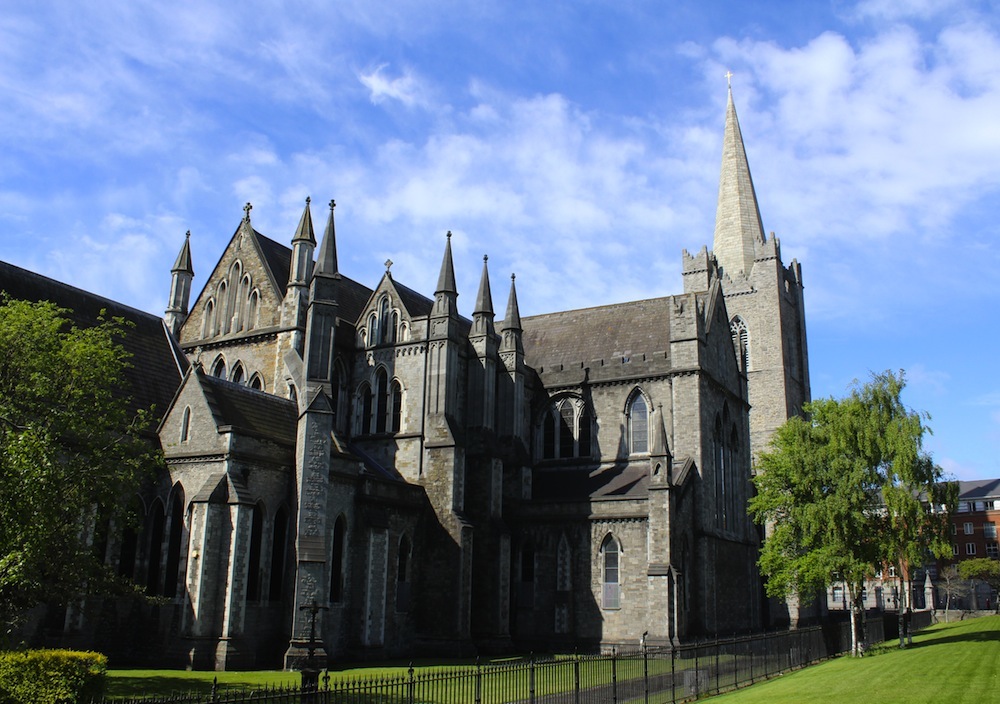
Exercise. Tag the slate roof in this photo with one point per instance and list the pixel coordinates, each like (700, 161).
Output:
(278, 258)
(249, 411)
(416, 303)
(582, 484)
(157, 363)
(978, 489)
(605, 332)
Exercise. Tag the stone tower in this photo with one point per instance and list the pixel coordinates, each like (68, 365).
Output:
(763, 297)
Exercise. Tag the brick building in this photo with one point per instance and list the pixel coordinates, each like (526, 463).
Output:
(432, 482)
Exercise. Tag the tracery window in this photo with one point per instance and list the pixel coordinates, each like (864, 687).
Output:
(566, 430)
(382, 407)
(638, 424)
(741, 342)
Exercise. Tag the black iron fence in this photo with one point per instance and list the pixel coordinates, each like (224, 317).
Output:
(647, 675)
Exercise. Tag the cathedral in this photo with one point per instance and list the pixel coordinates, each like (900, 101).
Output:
(367, 472)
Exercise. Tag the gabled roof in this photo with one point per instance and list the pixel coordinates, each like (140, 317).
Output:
(629, 481)
(248, 411)
(157, 364)
(605, 332)
(978, 489)
(278, 259)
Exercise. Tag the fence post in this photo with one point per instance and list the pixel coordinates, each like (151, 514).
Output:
(750, 646)
(614, 675)
(645, 674)
(673, 674)
(410, 685)
(479, 681)
(718, 646)
(531, 679)
(215, 689)
(697, 679)
(576, 679)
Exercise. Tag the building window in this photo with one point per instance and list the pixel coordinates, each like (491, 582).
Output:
(395, 406)
(638, 425)
(239, 375)
(566, 430)
(954, 529)
(970, 548)
(838, 596)
(219, 368)
(967, 529)
(741, 342)
(992, 550)
(610, 579)
(279, 549)
(253, 563)
(954, 550)
(963, 506)
(186, 424)
(990, 529)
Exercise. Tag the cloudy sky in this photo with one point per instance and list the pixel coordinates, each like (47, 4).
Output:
(576, 142)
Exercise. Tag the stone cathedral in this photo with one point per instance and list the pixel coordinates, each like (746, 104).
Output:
(369, 465)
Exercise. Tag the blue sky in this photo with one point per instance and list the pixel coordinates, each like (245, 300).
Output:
(577, 143)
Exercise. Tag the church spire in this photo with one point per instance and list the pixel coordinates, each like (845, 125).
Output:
(511, 329)
(181, 276)
(326, 263)
(738, 228)
(303, 244)
(446, 280)
(484, 299)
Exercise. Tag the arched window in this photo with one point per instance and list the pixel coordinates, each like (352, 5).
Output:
(638, 425)
(372, 329)
(384, 322)
(174, 542)
(239, 375)
(393, 327)
(403, 563)
(222, 297)
(208, 322)
(253, 561)
(365, 410)
(381, 400)
(130, 540)
(219, 367)
(610, 574)
(566, 430)
(253, 306)
(339, 401)
(279, 549)
(395, 406)
(741, 342)
(186, 424)
(337, 559)
(256, 382)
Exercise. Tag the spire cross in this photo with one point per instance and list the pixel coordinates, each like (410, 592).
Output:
(308, 200)
(388, 265)
(512, 277)
(333, 204)
(246, 210)
(729, 78)
(486, 258)
(187, 235)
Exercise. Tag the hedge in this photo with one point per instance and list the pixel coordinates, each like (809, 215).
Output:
(51, 676)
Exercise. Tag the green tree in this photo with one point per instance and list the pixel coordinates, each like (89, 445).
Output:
(984, 569)
(846, 491)
(70, 451)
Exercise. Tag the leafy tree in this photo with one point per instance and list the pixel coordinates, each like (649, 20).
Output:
(984, 569)
(846, 491)
(70, 450)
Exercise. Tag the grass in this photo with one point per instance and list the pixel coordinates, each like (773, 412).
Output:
(953, 662)
(949, 662)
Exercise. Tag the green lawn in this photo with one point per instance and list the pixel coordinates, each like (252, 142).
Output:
(953, 662)
(950, 662)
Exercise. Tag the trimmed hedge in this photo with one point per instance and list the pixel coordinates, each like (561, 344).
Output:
(51, 676)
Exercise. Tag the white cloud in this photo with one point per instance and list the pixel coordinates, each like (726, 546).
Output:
(406, 88)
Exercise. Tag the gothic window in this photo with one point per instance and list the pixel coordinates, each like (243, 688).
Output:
(279, 550)
(130, 543)
(638, 424)
(339, 401)
(253, 306)
(256, 382)
(381, 400)
(610, 574)
(741, 342)
(395, 406)
(253, 561)
(222, 296)
(174, 541)
(293, 394)
(733, 483)
(365, 420)
(384, 322)
(393, 327)
(186, 424)
(239, 374)
(208, 323)
(566, 430)
(721, 469)
(219, 367)
(337, 559)
(372, 329)
(403, 562)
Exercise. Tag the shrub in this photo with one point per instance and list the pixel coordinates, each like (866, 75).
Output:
(51, 677)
